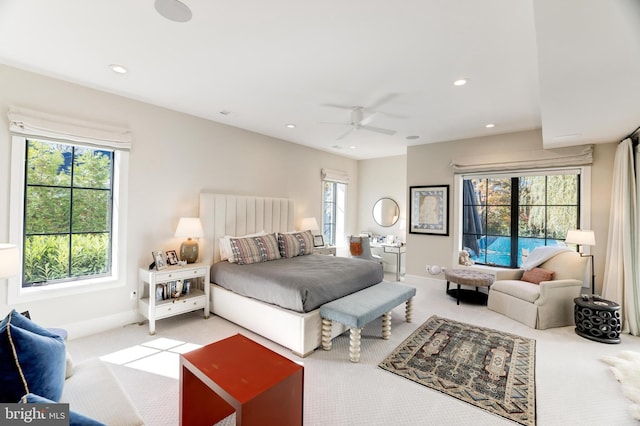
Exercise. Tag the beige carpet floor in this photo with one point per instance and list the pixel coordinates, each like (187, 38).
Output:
(573, 386)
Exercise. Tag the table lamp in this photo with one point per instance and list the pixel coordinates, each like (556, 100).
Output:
(9, 260)
(189, 227)
(310, 224)
(584, 237)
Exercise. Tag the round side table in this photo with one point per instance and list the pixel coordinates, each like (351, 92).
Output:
(468, 277)
(597, 319)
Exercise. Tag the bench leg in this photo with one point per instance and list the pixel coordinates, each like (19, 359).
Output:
(326, 334)
(386, 325)
(408, 312)
(354, 344)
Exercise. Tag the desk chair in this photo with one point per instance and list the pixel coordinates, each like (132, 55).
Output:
(361, 244)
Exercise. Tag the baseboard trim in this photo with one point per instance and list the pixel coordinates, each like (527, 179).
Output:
(85, 328)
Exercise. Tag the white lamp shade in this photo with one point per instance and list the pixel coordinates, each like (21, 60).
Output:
(581, 237)
(189, 227)
(9, 260)
(309, 224)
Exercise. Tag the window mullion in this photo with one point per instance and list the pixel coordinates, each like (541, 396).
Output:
(515, 222)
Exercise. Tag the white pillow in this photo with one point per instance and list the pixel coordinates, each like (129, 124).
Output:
(225, 245)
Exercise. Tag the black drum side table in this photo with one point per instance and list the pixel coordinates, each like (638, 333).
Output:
(597, 319)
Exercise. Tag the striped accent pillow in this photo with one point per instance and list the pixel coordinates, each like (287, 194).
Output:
(295, 244)
(255, 249)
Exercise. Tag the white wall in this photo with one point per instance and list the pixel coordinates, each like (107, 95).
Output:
(382, 177)
(174, 157)
(431, 165)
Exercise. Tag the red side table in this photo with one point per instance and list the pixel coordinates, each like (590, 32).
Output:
(239, 375)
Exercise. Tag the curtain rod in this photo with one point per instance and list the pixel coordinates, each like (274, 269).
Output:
(630, 135)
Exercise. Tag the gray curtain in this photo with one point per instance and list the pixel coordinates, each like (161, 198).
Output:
(472, 223)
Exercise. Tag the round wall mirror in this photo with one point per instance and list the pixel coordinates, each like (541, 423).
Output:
(386, 212)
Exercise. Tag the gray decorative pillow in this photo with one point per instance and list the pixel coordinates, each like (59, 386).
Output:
(295, 244)
(255, 249)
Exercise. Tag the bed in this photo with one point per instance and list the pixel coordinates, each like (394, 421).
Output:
(296, 327)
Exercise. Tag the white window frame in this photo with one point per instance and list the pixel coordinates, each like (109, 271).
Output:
(16, 293)
(341, 212)
(585, 199)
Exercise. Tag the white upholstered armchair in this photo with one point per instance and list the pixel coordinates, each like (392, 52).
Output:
(547, 304)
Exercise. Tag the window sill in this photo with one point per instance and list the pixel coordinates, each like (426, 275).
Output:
(17, 295)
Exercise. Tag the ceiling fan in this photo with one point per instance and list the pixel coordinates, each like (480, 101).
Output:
(358, 122)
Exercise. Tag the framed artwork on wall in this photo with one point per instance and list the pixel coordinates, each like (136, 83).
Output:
(429, 210)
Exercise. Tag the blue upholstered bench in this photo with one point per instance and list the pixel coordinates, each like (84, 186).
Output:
(358, 309)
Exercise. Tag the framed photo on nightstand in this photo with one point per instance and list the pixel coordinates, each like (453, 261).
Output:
(159, 259)
(172, 257)
(318, 241)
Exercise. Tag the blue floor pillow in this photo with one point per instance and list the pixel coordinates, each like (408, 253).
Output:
(32, 360)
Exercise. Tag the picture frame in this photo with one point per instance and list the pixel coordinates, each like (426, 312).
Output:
(429, 210)
(159, 259)
(318, 241)
(172, 257)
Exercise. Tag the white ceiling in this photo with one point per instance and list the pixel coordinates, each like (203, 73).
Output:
(570, 67)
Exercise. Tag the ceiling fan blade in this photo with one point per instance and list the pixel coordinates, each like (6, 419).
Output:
(335, 123)
(344, 135)
(337, 106)
(379, 130)
(385, 99)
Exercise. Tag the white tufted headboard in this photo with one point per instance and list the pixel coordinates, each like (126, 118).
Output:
(236, 215)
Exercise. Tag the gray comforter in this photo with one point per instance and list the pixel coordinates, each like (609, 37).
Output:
(301, 283)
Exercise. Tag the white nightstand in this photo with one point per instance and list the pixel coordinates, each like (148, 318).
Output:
(328, 250)
(152, 283)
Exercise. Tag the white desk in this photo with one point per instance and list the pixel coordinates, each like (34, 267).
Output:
(392, 249)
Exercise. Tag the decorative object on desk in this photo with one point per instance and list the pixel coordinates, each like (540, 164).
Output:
(486, 368)
(626, 369)
(465, 258)
(584, 237)
(159, 260)
(189, 227)
(9, 260)
(172, 257)
(429, 210)
(386, 212)
(318, 241)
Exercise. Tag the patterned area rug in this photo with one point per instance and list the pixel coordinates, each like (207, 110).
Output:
(486, 368)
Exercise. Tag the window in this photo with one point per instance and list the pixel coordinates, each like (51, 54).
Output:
(67, 204)
(333, 216)
(506, 216)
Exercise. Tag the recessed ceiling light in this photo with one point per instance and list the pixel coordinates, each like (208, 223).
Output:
(352, 147)
(173, 10)
(490, 125)
(412, 137)
(460, 82)
(118, 68)
(291, 126)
